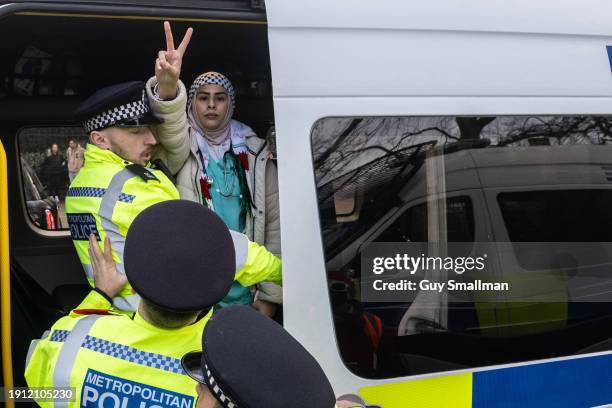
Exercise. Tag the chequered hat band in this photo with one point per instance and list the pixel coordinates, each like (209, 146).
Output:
(211, 78)
(118, 114)
(213, 386)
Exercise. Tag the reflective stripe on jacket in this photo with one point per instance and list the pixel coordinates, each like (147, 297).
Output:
(115, 360)
(103, 199)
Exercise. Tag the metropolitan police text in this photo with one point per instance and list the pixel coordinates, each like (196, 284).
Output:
(106, 391)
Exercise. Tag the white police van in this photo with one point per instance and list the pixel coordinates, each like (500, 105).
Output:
(371, 102)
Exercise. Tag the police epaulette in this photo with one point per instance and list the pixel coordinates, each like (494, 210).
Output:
(158, 164)
(141, 172)
(94, 312)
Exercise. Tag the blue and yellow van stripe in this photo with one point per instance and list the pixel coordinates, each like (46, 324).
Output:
(574, 382)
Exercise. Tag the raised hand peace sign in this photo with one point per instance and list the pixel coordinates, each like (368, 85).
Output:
(168, 63)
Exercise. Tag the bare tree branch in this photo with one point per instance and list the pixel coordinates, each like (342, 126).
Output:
(349, 129)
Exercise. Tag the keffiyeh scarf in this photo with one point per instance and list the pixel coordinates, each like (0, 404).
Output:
(229, 137)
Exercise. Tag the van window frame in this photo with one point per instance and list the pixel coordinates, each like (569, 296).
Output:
(62, 233)
(197, 11)
(489, 229)
(101, 9)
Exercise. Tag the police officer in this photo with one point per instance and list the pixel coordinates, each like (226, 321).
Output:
(249, 361)
(117, 181)
(115, 360)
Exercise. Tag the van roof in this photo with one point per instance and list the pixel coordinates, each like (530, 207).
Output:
(528, 166)
(519, 168)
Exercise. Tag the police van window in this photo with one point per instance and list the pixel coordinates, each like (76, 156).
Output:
(577, 218)
(50, 157)
(412, 225)
(558, 215)
(535, 191)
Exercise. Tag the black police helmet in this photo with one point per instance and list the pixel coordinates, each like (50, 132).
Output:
(180, 256)
(249, 361)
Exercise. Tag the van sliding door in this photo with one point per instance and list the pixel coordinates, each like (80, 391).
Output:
(380, 104)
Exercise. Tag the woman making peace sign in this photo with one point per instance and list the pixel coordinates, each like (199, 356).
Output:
(227, 168)
(235, 177)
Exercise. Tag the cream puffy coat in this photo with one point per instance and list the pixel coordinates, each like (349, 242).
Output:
(180, 144)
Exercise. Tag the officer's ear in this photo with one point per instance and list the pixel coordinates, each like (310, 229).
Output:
(99, 139)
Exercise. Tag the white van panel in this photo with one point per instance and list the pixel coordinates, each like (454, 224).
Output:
(342, 48)
(307, 310)
(398, 58)
(588, 17)
(327, 62)
(308, 316)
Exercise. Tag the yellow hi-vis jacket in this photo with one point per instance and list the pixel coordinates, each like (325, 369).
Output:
(106, 196)
(121, 362)
(114, 360)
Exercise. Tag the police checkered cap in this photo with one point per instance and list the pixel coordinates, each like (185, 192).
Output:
(249, 360)
(116, 105)
(211, 78)
(214, 387)
(118, 114)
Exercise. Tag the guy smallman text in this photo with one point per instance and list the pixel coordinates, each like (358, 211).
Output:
(397, 272)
